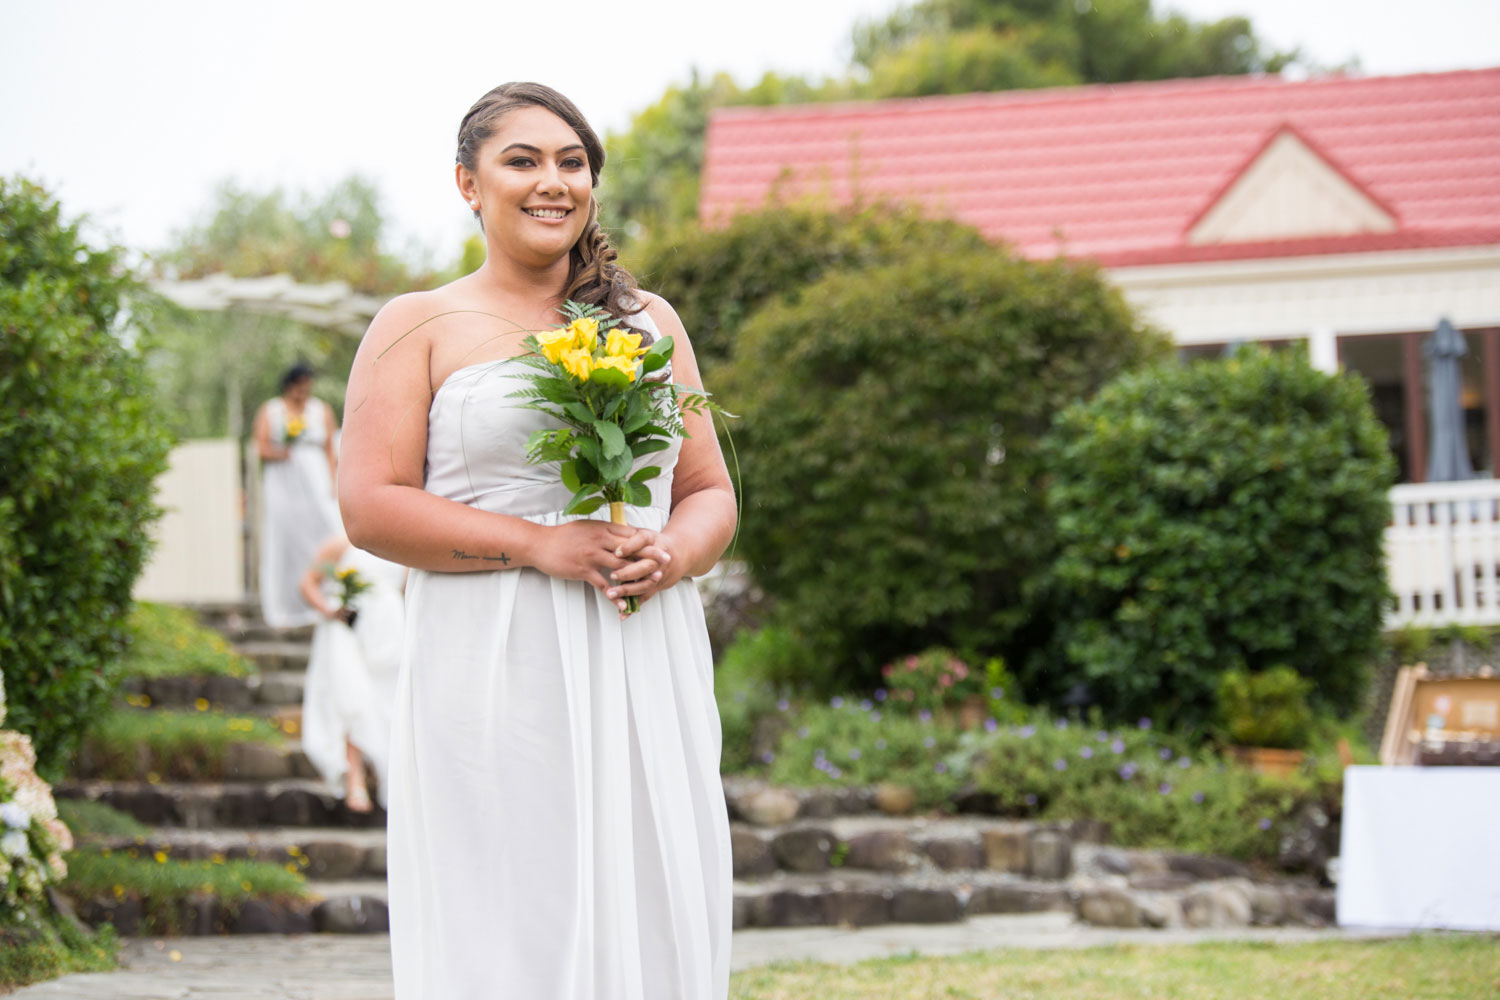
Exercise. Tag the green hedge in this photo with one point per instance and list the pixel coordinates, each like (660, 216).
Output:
(81, 442)
(891, 421)
(1217, 516)
(717, 278)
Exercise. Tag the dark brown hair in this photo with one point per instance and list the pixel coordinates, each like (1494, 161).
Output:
(593, 276)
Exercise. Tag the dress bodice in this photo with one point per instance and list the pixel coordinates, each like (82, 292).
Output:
(315, 422)
(476, 444)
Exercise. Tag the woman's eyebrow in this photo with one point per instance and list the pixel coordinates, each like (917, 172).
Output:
(533, 149)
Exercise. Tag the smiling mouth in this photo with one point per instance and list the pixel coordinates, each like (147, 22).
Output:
(547, 213)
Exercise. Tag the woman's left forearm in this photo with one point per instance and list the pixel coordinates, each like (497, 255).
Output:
(700, 529)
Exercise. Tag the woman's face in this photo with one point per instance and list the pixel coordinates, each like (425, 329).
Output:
(299, 391)
(531, 186)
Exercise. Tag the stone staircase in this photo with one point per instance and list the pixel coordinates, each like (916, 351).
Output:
(802, 857)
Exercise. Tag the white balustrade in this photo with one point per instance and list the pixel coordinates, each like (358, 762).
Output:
(1442, 551)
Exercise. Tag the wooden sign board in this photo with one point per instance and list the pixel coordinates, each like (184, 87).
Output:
(1446, 710)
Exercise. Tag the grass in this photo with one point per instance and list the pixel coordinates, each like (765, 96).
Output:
(168, 642)
(170, 745)
(89, 820)
(52, 946)
(1428, 967)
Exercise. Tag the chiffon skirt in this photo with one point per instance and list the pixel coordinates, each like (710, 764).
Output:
(557, 822)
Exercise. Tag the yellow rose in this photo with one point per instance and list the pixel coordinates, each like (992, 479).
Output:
(555, 342)
(579, 362)
(294, 428)
(615, 361)
(585, 331)
(623, 345)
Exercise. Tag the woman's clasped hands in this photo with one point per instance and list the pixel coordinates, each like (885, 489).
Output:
(619, 560)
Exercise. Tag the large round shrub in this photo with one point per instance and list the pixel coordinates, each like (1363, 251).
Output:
(80, 445)
(1221, 515)
(717, 278)
(888, 445)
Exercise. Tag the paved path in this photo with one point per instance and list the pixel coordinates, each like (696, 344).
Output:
(340, 967)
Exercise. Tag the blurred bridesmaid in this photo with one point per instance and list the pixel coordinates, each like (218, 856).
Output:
(294, 436)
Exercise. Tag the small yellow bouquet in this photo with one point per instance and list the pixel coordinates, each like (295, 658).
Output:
(350, 585)
(294, 429)
(595, 377)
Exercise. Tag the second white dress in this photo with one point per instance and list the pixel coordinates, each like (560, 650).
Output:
(298, 513)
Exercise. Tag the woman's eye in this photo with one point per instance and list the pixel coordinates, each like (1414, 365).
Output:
(519, 161)
(572, 163)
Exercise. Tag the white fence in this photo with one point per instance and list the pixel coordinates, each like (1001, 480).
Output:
(200, 546)
(1443, 550)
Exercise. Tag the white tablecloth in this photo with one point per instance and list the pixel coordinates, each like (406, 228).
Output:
(1421, 848)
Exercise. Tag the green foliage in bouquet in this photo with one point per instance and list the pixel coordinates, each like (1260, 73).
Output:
(1216, 516)
(889, 447)
(592, 376)
(82, 441)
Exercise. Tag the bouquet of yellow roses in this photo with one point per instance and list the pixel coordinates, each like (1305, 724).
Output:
(594, 377)
(351, 584)
(294, 428)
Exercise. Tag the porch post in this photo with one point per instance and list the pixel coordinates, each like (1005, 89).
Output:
(1323, 350)
(1416, 406)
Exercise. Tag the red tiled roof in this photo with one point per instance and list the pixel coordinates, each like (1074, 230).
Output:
(1121, 172)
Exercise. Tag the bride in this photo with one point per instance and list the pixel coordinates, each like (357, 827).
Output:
(557, 825)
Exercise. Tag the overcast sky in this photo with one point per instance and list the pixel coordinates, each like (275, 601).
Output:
(132, 110)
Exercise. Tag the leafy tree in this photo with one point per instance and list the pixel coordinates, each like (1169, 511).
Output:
(1225, 515)
(81, 443)
(889, 445)
(717, 278)
(336, 236)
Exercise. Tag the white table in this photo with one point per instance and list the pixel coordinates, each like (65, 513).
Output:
(1421, 848)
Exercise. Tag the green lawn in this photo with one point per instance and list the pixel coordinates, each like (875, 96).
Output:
(1428, 967)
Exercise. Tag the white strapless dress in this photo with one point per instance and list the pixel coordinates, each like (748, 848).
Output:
(299, 513)
(557, 824)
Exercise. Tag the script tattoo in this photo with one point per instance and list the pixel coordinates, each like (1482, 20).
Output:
(502, 558)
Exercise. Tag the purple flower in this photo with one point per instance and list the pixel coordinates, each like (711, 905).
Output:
(854, 754)
(767, 757)
(990, 725)
(1143, 722)
(1060, 764)
(802, 732)
(1025, 732)
(1118, 746)
(880, 744)
(782, 705)
(1198, 797)
(1086, 752)
(875, 716)
(836, 701)
(834, 772)
(1164, 753)
(1183, 762)
(880, 694)
(929, 742)
(940, 767)
(997, 693)
(1165, 788)
(1031, 800)
(866, 705)
(1101, 736)
(1265, 824)
(1128, 769)
(1062, 723)
(925, 715)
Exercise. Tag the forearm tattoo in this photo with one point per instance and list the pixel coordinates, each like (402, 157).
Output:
(461, 555)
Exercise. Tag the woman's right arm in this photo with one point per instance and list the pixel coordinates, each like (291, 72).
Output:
(384, 446)
(261, 431)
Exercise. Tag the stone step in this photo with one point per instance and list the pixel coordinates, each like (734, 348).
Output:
(274, 655)
(862, 899)
(325, 853)
(244, 762)
(273, 688)
(206, 805)
(329, 908)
